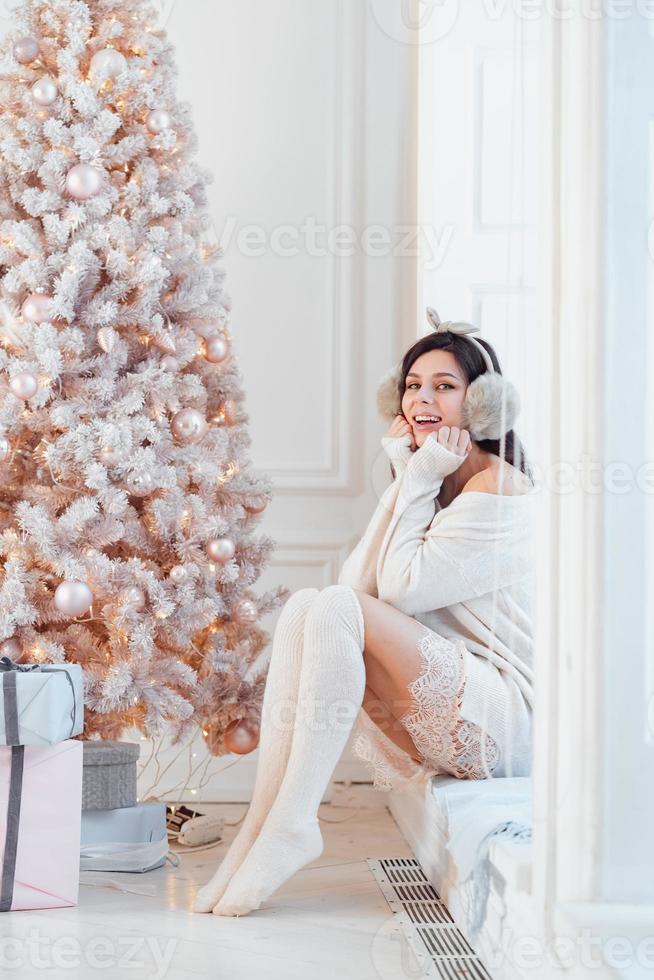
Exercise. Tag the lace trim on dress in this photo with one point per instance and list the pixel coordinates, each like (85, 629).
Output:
(444, 739)
(447, 743)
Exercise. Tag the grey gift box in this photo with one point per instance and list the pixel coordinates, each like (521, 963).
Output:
(109, 779)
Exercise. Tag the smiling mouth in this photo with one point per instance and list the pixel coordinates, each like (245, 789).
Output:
(427, 423)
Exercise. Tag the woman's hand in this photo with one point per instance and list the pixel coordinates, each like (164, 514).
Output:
(458, 441)
(443, 451)
(399, 444)
(400, 427)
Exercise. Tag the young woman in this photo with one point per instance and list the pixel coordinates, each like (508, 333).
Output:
(428, 631)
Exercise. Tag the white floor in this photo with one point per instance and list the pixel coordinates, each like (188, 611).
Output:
(329, 920)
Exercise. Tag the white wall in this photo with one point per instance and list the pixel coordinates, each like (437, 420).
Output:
(303, 112)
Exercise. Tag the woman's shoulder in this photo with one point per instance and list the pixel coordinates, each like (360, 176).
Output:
(499, 478)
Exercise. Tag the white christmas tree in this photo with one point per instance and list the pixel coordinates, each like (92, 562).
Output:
(128, 508)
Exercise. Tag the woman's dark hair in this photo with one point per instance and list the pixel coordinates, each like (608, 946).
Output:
(472, 363)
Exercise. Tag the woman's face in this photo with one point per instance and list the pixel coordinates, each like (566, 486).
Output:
(435, 386)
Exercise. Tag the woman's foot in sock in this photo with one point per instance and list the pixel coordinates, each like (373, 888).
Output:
(212, 892)
(275, 856)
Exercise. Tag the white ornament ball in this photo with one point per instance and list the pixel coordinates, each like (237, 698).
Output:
(141, 485)
(24, 385)
(73, 598)
(107, 64)
(169, 363)
(5, 449)
(158, 120)
(11, 648)
(45, 91)
(106, 337)
(245, 611)
(178, 574)
(26, 49)
(215, 349)
(83, 181)
(189, 426)
(109, 457)
(36, 308)
(133, 596)
(221, 549)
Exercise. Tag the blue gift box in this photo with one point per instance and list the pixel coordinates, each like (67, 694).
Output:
(40, 704)
(132, 838)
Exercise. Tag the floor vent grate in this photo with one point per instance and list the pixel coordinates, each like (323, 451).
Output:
(436, 941)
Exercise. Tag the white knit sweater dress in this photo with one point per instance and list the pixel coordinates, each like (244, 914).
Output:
(465, 572)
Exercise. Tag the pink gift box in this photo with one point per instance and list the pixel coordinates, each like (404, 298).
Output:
(40, 820)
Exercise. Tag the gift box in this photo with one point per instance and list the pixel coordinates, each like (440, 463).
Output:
(128, 839)
(109, 775)
(40, 704)
(40, 815)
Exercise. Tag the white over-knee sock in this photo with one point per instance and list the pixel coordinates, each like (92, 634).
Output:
(332, 683)
(277, 723)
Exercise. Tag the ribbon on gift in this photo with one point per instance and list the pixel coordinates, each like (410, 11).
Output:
(127, 856)
(10, 697)
(13, 823)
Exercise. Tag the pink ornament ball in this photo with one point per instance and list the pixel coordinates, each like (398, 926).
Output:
(256, 506)
(178, 574)
(73, 598)
(221, 550)
(107, 64)
(5, 449)
(24, 385)
(26, 50)
(169, 363)
(11, 648)
(158, 120)
(140, 485)
(242, 737)
(45, 91)
(109, 457)
(133, 596)
(245, 612)
(215, 349)
(83, 181)
(36, 308)
(189, 426)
